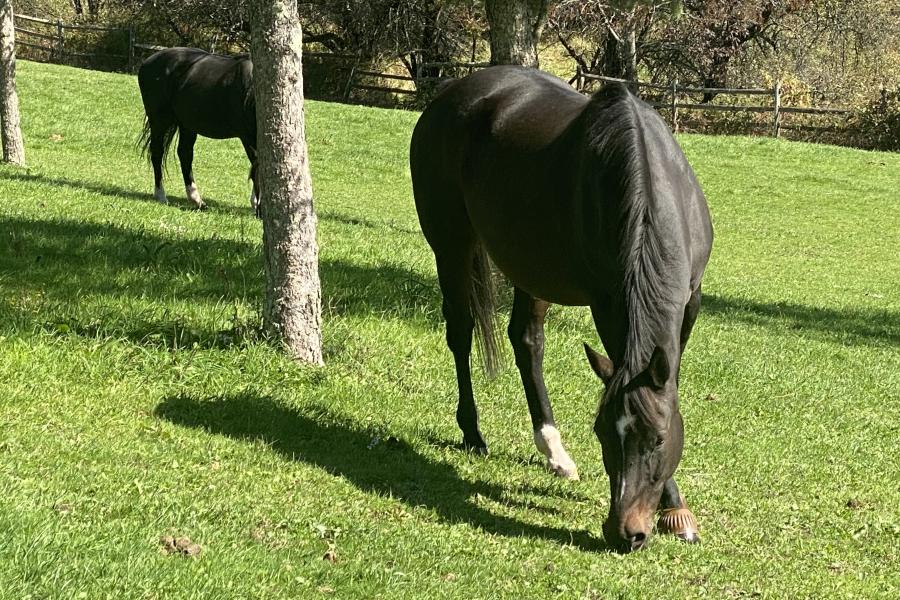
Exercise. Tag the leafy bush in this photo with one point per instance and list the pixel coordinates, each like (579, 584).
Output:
(876, 125)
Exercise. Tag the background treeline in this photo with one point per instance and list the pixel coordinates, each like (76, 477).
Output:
(824, 52)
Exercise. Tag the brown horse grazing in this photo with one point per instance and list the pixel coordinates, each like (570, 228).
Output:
(578, 201)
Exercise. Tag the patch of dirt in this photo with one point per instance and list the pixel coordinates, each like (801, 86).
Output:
(180, 545)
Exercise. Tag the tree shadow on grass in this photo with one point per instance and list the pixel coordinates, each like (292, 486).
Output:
(64, 259)
(61, 257)
(334, 444)
(182, 203)
(114, 191)
(872, 327)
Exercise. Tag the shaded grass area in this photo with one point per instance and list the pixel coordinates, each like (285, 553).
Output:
(139, 400)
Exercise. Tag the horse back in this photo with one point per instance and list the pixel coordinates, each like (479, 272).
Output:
(522, 152)
(502, 145)
(209, 94)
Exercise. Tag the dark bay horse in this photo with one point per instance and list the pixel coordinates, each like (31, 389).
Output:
(578, 201)
(196, 93)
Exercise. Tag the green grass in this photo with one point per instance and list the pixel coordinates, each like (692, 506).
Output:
(137, 400)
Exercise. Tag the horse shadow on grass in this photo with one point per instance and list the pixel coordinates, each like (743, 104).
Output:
(333, 443)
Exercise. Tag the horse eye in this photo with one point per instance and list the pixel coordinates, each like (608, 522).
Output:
(660, 440)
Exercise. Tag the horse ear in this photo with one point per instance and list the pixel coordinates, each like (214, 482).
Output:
(601, 365)
(658, 369)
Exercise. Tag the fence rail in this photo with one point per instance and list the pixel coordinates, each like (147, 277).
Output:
(673, 105)
(53, 41)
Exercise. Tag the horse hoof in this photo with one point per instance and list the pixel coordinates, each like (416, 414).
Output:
(480, 448)
(681, 523)
(568, 471)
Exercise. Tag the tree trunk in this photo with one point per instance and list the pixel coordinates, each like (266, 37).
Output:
(11, 132)
(516, 27)
(631, 53)
(292, 309)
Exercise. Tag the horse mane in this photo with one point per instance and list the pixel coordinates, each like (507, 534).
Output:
(616, 137)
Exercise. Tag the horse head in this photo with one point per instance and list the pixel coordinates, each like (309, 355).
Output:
(641, 434)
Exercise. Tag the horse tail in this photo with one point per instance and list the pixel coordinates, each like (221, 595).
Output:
(144, 140)
(482, 303)
(146, 137)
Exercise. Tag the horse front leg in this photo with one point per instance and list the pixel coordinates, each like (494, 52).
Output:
(186, 140)
(526, 333)
(676, 518)
(250, 149)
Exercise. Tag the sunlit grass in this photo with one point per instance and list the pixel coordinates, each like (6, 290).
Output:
(137, 400)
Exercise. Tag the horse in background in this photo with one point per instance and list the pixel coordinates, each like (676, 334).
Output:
(578, 201)
(193, 92)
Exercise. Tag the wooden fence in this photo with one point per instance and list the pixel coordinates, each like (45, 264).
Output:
(50, 44)
(387, 83)
(672, 91)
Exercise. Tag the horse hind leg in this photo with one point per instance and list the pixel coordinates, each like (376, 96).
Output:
(526, 333)
(455, 278)
(186, 140)
(157, 147)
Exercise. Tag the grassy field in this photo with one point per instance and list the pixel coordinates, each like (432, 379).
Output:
(137, 400)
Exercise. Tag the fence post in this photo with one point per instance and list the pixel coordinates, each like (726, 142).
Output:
(675, 106)
(60, 40)
(777, 124)
(130, 66)
(349, 87)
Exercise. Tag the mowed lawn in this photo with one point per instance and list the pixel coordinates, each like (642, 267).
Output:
(137, 399)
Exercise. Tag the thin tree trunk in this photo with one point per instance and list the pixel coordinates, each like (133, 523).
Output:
(516, 27)
(631, 52)
(292, 309)
(10, 130)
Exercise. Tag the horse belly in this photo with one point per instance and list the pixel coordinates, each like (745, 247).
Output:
(539, 253)
(209, 114)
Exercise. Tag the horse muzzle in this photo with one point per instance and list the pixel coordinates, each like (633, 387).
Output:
(629, 534)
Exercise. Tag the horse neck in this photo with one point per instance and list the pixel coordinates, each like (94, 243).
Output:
(653, 299)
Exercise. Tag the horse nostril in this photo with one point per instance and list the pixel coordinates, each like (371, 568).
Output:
(638, 540)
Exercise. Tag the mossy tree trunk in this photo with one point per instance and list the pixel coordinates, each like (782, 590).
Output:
(516, 27)
(292, 309)
(10, 130)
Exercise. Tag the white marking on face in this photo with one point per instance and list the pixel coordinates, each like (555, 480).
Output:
(624, 422)
(254, 201)
(549, 442)
(622, 425)
(160, 195)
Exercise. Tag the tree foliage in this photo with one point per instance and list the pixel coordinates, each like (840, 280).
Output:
(840, 50)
